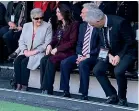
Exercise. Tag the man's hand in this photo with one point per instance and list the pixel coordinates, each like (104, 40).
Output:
(116, 60)
(11, 25)
(48, 49)
(111, 58)
(79, 59)
(53, 52)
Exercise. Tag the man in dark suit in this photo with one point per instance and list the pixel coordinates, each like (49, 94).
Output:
(2, 15)
(116, 39)
(86, 57)
(15, 17)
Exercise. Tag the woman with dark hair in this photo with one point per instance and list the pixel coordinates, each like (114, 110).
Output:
(62, 46)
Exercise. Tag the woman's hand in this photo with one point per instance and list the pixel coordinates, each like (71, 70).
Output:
(53, 52)
(19, 28)
(48, 49)
(30, 53)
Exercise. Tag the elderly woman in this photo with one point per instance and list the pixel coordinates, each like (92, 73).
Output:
(36, 35)
(62, 46)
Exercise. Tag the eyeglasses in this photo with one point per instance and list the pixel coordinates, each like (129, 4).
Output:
(37, 18)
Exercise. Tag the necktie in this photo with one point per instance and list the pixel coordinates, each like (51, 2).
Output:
(104, 31)
(85, 48)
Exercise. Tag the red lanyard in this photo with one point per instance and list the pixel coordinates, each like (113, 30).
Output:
(33, 36)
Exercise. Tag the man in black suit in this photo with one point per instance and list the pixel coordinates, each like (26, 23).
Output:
(2, 15)
(116, 39)
(15, 17)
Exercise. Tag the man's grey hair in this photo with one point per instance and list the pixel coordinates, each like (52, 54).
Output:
(35, 12)
(94, 13)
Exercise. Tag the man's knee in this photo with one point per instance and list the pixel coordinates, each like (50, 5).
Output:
(83, 64)
(98, 71)
(118, 72)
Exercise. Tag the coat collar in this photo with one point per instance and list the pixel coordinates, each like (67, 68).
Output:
(109, 21)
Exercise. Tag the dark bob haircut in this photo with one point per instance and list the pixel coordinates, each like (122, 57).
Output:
(66, 12)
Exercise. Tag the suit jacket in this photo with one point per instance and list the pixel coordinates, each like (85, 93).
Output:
(120, 34)
(16, 12)
(67, 44)
(95, 42)
(2, 15)
(41, 40)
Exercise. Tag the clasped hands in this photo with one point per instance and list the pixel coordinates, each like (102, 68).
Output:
(12, 25)
(79, 59)
(114, 60)
(28, 53)
(50, 50)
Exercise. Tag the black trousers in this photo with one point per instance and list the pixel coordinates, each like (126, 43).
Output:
(11, 40)
(47, 73)
(66, 67)
(22, 73)
(119, 71)
(3, 30)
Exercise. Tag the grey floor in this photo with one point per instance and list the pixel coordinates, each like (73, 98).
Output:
(34, 98)
(56, 102)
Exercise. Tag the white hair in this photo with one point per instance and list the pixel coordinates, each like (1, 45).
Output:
(93, 13)
(36, 11)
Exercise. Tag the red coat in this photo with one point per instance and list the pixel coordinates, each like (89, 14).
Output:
(44, 5)
(67, 44)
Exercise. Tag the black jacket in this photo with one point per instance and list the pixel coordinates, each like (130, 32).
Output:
(15, 11)
(120, 34)
(2, 15)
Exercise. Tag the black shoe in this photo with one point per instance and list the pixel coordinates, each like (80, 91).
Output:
(112, 99)
(84, 97)
(12, 56)
(122, 102)
(66, 94)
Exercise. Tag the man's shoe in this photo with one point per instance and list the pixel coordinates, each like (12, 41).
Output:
(66, 94)
(12, 56)
(84, 97)
(122, 102)
(112, 99)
